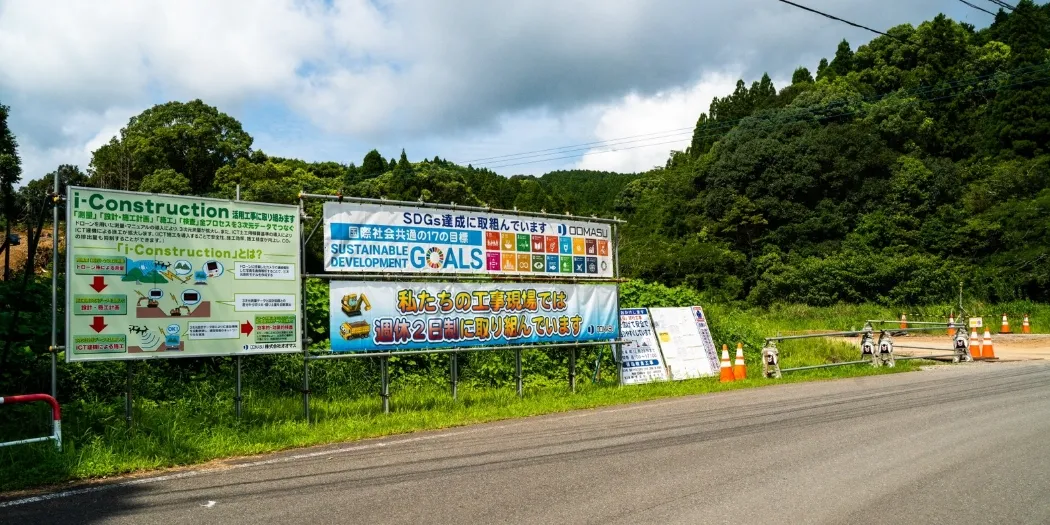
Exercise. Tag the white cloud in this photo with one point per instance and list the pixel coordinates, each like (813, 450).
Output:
(655, 125)
(81, 133)
(403, 71)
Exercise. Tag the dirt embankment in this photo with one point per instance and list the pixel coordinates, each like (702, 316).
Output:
(20, 253)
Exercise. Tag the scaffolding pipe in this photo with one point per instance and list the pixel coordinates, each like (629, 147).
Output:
(813, 336)
(883, 321)
(352, 355)
(932, 356)
(483, 209)
(813, 367)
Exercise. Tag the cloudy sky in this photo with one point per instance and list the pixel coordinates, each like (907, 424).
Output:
(504, 84)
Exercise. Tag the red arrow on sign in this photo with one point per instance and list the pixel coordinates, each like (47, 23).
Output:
(99, 283)
(97, 324)
(246, 328)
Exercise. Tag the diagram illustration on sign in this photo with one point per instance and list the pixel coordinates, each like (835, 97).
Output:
(169, 276)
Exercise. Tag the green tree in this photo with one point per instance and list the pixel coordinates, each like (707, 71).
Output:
(843, 61)
(10, 174)
(801, 75)
(166, 181)
(372, 166)
(191, 138)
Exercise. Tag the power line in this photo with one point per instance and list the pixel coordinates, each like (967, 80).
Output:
(811, 110)
(575, 145)
(709, 130)
(1000, 3)
(977, 7)
(531, 154)
(833, 17)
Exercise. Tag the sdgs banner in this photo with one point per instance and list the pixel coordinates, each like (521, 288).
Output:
(389, 316)
(374, 238)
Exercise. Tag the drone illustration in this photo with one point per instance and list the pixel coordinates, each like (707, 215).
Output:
(138, 329)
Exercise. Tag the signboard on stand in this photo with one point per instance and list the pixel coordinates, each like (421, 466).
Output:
(641, 359)
(685, 348)
(155, 276)
(390, 316)
(374, 239)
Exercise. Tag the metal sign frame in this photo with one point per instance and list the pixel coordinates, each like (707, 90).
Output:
(451, 277)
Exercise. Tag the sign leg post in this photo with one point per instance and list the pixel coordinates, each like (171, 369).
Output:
(54, 289)
(384, 389)
(598, 364)
(454, 374)
(517, 373)
(237, 395)
(572, 370)
(306, 387)
(127, 395)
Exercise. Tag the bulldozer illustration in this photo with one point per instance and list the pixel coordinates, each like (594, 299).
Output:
(353, 305)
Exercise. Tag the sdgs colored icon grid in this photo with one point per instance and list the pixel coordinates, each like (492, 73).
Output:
(523, 252)
(392, 239)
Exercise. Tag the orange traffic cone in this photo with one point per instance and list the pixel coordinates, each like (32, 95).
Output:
(1005, 328)
(986, 348)
(975, 345)
(739, 366)
(951, 324)
(904, 321)
(1025, 328)
(726, 373)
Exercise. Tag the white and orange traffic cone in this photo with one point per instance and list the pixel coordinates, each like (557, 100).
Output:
(1005, 327)
(986, 347)
(725, 374)
(1025, 327)
(975, 344)
(904, 321)
(951, 324)
(739, 366)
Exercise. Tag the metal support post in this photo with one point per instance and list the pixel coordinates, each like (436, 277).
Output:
(302, 305)
(618, 359)
(384, 389)
(55, 200)
(598, 365)
(237, 395)
(572, 369)
(453, 369)
(517, 373)
(127, 396)
(617, 347)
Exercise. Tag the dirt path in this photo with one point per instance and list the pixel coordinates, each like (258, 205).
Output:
(1007, 347)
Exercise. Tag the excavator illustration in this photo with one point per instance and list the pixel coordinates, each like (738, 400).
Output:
(352, 306)
(353, 303)
(151, 300)
(177, 311)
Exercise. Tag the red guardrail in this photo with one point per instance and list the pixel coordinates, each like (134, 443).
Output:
(56, 418)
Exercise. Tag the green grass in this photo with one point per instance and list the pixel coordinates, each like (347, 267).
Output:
(199, 426)
(190, 431)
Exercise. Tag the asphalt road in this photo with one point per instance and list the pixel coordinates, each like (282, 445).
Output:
(958, 444)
